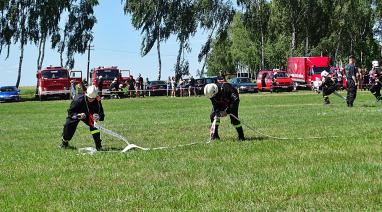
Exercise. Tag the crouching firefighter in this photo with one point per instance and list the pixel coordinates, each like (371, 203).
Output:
(328, 86)
(377, 85)
(87, 108)
(225, 100)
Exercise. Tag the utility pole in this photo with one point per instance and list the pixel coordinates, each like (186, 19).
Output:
(87, 72)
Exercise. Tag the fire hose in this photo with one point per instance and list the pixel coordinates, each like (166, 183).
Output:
(131, 146)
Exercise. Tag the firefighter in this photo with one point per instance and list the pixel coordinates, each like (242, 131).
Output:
(376, 87)
(221, 78)
(225, 100)
(351, 84)
(87, 108)
(328, 86)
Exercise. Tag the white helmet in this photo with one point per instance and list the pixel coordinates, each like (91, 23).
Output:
(210, 90)
(92, 92)
(324, 73)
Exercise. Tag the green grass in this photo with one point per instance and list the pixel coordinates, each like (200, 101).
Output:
(343, 173)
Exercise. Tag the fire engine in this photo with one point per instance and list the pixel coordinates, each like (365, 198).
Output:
(55, 82)
(102, 77)
(306, 71)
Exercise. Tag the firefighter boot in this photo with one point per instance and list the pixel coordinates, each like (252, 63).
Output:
(64, 144)
(240, 133)
(97, 141)
(98, 144)
(215, 136)
(378, 98)
(326, 100)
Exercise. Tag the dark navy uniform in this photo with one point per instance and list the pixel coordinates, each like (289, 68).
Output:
(376, 87)
(227, 99)
(81, 105)
(351, 87)
(328, 87)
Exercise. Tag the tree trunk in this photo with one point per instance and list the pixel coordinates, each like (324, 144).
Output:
(177, 66)
(159, 58)
(293, 40)
(21, 60)
(62, 49)
(39, 54)
(262, 49)
(43, 52)
(306, 46)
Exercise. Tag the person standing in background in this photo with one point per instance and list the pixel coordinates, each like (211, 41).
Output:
(191, 86)
(351, 83)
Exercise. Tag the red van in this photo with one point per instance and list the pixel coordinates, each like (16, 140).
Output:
(274, 80)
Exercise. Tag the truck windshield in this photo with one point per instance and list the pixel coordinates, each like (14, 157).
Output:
(55, 74)
(318, 70)
(108, 74)
(280, 75)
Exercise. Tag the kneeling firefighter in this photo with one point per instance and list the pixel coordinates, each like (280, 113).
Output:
(225, 100)
(328, 86)
(377, 85)
(87, 108)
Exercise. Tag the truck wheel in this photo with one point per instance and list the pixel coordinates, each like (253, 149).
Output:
(41, 97)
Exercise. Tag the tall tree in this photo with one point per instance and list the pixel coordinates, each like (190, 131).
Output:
(151, 17)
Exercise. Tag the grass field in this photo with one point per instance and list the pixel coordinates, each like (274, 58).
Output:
(332, 173)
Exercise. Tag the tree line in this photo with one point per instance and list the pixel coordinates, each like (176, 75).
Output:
(242, 34)
(265, 33)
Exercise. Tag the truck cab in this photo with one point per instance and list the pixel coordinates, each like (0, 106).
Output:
(274, 80)
(53, 82)
(306, 71)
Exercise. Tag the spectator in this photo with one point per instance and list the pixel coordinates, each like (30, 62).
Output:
(148, 86)
(131, 86)
(191, 86)
(168, 85)
(181, 86)
(114, 85)
(173, 87)
(114, 88)
(139, 85)
(82, 86)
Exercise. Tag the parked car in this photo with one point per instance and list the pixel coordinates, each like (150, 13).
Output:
(274, 80)
(244, 84)
(157, 88)
(9, 94)
(201, 82)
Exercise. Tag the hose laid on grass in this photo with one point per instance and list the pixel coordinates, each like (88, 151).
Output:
(275, 137)
(129, 145)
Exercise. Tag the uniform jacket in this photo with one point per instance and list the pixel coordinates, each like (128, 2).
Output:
(226, 98)
(80, 105)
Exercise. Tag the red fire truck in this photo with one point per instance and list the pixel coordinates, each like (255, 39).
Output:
(55, 82)
(274, 80)
(103, 77)
(306, 71)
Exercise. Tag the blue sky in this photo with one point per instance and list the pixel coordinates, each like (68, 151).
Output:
(116, 43)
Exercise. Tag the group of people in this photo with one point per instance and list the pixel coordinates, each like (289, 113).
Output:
(354, 80)
(224, 97)
(185, 87)
(87, 107)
